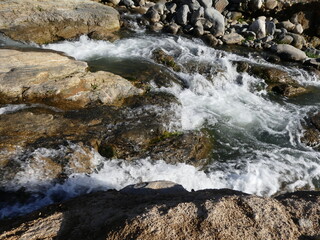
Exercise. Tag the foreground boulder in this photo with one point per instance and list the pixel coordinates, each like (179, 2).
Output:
(51, 78)
(207, 214)
(47, 21)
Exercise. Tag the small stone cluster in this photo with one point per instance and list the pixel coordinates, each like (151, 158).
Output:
(220, 22)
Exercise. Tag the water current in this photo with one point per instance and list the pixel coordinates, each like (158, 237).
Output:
(256, 135)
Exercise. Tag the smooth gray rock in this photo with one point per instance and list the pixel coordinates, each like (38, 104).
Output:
(232, 38)
(182, 15)
(289, 52)
(217, 20)
(259, 27)
(206, 3)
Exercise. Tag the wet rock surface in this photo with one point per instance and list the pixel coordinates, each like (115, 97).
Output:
(48, 21)
(311, 134)
(209, 214)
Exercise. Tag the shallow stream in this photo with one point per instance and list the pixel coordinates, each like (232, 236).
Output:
(256, 135)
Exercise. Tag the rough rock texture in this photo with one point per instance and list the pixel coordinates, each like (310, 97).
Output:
(279, 81)
(47, 21)
(54, 143)
(208, 214)
(311, 135)
(54, 79)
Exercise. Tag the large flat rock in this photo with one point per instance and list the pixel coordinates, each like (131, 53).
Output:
(54, 79)
(208, 214)
(47, 21)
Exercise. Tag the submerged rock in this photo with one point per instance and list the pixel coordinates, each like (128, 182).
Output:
(163, 58)
(206, 214)
(51, 78)
(311, 134)
(278, 81)
(48, 21)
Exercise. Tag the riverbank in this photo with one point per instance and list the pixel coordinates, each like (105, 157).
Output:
(92, 113)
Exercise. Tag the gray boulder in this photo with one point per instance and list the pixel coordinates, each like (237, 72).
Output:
(289, 52)
(182, 15)
(259, 27)
(217, 20)
(153, 15)
(198, 28)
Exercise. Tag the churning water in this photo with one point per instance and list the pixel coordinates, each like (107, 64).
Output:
(257, 146)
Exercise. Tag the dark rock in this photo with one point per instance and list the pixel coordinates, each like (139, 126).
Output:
(171, 7)
(205, 3)
(182, 15)
(210, 40)
(152, 15)
(278, 81)
(172, 28)
(197, 15)
(270, 28)
(311, 134)
(163, 58)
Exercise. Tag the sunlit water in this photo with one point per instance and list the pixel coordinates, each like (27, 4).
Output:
(256, 135)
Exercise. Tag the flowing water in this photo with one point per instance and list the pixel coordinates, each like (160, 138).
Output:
(256, 135)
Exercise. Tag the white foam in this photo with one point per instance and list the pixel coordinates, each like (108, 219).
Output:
(9, 108)
(260, 138)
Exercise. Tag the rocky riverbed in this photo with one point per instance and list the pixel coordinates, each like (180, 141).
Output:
(97, 95)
